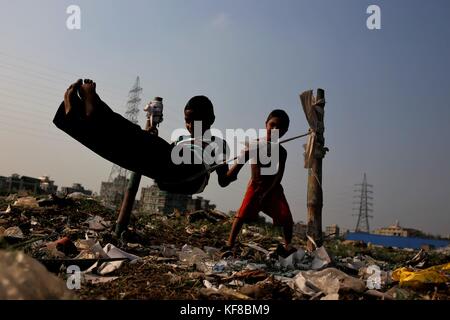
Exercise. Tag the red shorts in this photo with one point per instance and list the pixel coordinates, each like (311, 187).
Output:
(275, 206)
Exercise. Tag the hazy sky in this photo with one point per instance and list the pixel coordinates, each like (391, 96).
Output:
(387, 90)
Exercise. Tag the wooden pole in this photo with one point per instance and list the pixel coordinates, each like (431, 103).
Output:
(314, 191)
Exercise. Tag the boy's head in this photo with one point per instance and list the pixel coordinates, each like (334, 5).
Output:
(199, 108)
(277, 119)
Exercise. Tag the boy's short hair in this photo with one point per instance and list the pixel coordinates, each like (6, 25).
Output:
(201, 105)
(278, 113)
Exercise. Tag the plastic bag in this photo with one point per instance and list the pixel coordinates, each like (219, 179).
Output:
(414, 278)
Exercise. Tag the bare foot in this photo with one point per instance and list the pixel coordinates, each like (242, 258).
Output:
(89, 96)
(71, 99)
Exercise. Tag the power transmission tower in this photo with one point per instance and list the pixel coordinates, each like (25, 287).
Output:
(364, 205)
(113, 191)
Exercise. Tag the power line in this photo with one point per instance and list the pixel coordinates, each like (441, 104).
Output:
(46, 68)
(32, 112)
(60, 87)
(31, 131)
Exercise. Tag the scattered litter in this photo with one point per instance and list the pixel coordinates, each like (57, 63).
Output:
(399, 293)
(236, 283)
(378, 294)
(293, 260)
(321, 259)
(409, 277)
(210, 216)
(112, 252)
(331, 296)
(11, 197)
(249, 276)
(418, 260)
(220, 266)
(329, 281)
(24, 278)
(95, 279)
(61, 248)
(85, 244)
(97, 223)
(211, 251)
(78, 196)
(223, 293)
(254, 291)
(91, 250)
(13, 233)
(209, 285)
(168, 251)
(257, 248)
(64, 232)
(375, 277)
(8, 210)
(27, 202)
(195, 257)
(256, 266)
(134, 245)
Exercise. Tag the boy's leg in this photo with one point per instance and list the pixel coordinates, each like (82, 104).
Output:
(278, 208)
(248, 211)
(287, 231)
(237, 225)
(95, 125)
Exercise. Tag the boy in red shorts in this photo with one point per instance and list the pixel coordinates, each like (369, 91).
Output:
(264, 192)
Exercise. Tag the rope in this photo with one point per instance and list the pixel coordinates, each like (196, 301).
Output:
(213, 168)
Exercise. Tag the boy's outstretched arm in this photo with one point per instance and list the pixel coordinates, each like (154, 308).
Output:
(228, 175)
(222, 176)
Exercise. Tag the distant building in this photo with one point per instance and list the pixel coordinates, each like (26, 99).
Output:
(16, 183)
(332, 231)
(112, 193)
(156, 201)
(3, 184)
(199, 203)
(232, 213)
(300, 229)
(76, 187)
(47, 185)
(397, 230)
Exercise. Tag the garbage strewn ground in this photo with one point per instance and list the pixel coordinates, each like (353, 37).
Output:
(179, 257)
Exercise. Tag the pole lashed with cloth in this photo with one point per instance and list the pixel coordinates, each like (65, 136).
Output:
(315, 150)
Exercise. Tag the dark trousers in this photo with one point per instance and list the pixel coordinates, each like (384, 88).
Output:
(124, 143)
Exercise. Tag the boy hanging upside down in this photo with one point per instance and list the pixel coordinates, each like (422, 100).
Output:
(86, 118)
(264, 192)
